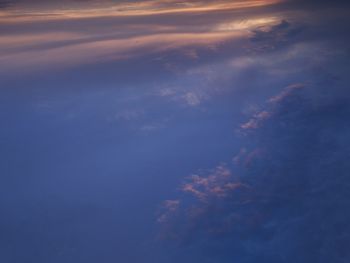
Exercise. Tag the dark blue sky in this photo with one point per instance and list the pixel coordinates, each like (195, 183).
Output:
(175, 131)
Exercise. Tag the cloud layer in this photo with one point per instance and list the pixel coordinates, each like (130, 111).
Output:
(63, 36)
(286, 198)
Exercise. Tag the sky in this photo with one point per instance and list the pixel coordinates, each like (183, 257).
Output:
(174, 131)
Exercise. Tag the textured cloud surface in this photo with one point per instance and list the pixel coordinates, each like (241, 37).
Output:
(288, 200)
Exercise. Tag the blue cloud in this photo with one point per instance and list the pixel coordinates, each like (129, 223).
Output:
(289, 204)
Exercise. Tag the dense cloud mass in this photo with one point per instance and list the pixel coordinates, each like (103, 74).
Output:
(287, 198)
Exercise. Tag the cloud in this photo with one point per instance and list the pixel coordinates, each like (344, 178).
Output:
(192, 99)
(214, 184)
(290, 203)
(55, 37)
(170, 208)
(128, 115)
(275, 36)
(88, 9)
(256, 121)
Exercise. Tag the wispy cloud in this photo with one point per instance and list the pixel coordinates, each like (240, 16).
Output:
(126, 9)
(62, 37)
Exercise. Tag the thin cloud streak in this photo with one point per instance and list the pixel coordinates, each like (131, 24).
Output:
(79, 37)
(110, 50)
(145, 8)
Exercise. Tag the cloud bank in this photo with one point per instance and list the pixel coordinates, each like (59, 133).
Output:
(286, 197)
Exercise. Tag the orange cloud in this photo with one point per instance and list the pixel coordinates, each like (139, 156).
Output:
(144, 8)
(69, 37)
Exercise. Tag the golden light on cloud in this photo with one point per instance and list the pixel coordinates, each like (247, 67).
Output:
(115, 49)
(144, 8)
(247, 24)
(65, 37)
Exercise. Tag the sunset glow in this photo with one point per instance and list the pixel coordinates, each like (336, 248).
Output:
(174, 131)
